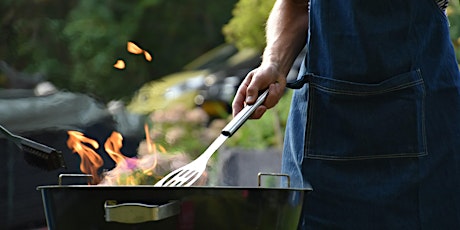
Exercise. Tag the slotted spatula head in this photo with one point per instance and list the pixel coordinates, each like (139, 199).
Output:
(188, 174)
(184, 176)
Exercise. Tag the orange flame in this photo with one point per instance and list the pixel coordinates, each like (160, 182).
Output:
(90, 160)
(112, 147)
(128, 171)
(150, 146)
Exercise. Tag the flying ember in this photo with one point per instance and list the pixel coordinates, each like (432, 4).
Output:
(133, 48)
(120, 64)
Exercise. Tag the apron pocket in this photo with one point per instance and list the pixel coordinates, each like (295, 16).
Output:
(355, 121)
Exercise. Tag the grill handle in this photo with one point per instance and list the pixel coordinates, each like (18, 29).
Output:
(133, 213)
(261, 174)
(243, 115)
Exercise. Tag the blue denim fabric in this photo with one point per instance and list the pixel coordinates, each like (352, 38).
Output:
(374, 131)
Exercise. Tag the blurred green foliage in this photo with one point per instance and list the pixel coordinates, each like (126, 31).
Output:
(453, 12)
(180, 129)
(76, 42)
(247, 27)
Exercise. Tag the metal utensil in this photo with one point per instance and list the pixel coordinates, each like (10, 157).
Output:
(36, 154)
(188, 174)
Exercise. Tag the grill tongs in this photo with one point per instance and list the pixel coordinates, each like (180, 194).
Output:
(188, 174)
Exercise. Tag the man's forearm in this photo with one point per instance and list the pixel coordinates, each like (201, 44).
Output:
(286, 33)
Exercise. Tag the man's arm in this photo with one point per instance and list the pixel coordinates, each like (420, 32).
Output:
(286, 33)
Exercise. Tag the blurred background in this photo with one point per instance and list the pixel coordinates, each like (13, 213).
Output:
(152, 70)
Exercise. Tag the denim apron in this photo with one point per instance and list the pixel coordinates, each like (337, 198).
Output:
(374, 127)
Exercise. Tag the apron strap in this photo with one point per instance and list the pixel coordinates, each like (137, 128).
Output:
(300, 82)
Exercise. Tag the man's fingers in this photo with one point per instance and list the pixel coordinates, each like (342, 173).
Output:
(255, 82)
(238, 103)
(240, 98)
(275, 92)
(259, 112)
(252, 91)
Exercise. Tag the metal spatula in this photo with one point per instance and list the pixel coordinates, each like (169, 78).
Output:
(188, 174)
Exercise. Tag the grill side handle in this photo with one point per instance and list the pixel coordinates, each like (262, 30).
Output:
(133, 213)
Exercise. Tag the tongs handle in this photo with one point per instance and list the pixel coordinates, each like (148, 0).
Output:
(243, 116)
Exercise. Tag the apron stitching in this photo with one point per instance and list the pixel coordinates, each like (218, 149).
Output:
(366, 93)
(367, 157)
(309, 123)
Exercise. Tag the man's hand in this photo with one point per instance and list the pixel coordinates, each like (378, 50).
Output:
(286, 33)
(265, 76)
